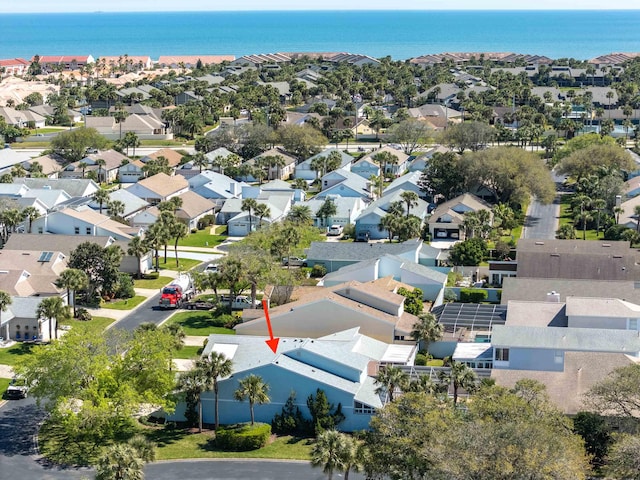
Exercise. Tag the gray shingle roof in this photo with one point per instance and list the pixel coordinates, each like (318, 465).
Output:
(357, 251)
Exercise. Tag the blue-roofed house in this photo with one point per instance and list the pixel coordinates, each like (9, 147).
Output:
(408, 182)
(341, 364)
(216, 187)
(343, 183)
(279, 205)
(419, 163)
(283, 187)
(365, 168)
(347, 210)
(304, 170)
(430, 280)
(132, 203)
(369, 219)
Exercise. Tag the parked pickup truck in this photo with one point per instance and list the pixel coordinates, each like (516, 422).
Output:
(240, 302)
(294, 261)
(17, 389)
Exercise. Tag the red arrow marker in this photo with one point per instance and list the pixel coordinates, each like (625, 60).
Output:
(272, 342)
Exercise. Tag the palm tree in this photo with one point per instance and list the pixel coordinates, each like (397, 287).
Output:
(153, 239)
(427, 329)
(82, 166)
(72, 279)
(30, 213)
(145, 449)
(200, 160)
(618, 211)
(115, 208)
(101, 197)
(566, 232)
(583, 217)
(214, 367)
(461, 376)
(636, 214)
(599, 206)
(390, 378)
(249, 205)
(410, 198)
(120, 116)
(137, 248)
(178, 230)
(100, 163)
(193, 384)
(300, 184)
(121, 462)
(262, 210)
(253, 389)
(300, 215)
(334, 451)
(50, 308)
(5, 301)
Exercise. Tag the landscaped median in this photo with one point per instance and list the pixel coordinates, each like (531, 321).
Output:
(124, 304)
(202, 323)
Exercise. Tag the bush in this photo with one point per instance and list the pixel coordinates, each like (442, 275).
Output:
(473, 295)
(423, 358)
(151, 275)
(206, 221)
(83, 315)
(290, 420)
(125, 287)
(318, 271)
(243, 437)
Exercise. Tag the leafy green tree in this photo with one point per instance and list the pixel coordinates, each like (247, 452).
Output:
(413, 300)
(411, 134)
(101, 264)
(469, 252)
(623, 460)
(72, 279)
(73, 144)
(5, 301)
(444, 175)
(327, 210)
(595, 433)
(213, 368)
(301, 141)
(589, 160)
(468, 136)
(253, 389)
(618, 394)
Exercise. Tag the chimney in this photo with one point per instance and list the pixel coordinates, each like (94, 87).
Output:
(233, 188)
(553, 297)
(618, 200)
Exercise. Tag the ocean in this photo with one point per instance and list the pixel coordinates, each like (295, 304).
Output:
(399, 34)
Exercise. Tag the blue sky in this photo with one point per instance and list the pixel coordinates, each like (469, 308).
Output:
(8, 6)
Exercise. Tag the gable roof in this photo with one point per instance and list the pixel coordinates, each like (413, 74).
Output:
(173, 157)
(358, 251)
(76, 187)
(193, 205)
(164, 185)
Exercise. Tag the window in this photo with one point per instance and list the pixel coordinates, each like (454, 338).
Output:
(40, 231)
(558, 357)
(88, 230)
(45, 256)
(633, 324)
(360, 408)
(398, 337)
(76, 230)
(502, 354)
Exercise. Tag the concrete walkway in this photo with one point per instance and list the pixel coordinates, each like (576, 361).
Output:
(194, 341)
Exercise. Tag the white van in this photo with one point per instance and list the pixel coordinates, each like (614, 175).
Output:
(335, 230)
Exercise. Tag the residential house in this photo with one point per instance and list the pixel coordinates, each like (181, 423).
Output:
(303, 169)
(446, 220)
(430, 280)
(275, 186)
(67, 243)
(28, 273)
(343, 183)
(49, 111)
(104, 173)
(132, 203)
(438, 116)
(34, 202)
(13, 190)
(216, 154)
(377, 311)
(159, 188)
(21, 321)
(335, 255)
(141, 125)
(83, 221)
(51, 164)
(145, 218)
(67, 62)
(353, 59)
(342, 364)
(576, 259)
(10, 157)
(50, 198)
(74, 187)
(13, 66)
(275, 172)
(419, 163)
(216, 187)
(193, 208)
(628, 216)
(369, 221)
(366, 167)
(242, 224)
(174, 158)
(132, 172)
(405, 183)
(347, 210)
(569, 346)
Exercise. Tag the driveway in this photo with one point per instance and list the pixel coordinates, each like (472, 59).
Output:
(542, 220)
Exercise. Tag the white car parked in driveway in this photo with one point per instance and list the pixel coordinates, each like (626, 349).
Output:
(335, 230)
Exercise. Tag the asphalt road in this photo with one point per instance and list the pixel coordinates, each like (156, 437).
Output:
(542, 220)
(19, 421)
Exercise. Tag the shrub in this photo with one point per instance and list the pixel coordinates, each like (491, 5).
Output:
(151, 275)
(125, 286)
(421, 359)
(206, 221)
(318, 271)
(83, 315)
(243, 437)
(194, 230)
(289, 420)
(473, 295)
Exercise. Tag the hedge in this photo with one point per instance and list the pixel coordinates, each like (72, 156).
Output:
(243, 436)
(473, 295)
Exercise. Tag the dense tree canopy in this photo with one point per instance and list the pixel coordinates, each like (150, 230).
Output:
(593, 159)
(73, 144)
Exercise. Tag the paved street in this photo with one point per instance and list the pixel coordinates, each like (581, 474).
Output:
(542, 220)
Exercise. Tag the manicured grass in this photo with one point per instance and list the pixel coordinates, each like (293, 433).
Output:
(189, 352)
(166, 143)
(435, 363)
(177, 444)
(4, 383)
(184, 263)
(198, 323)
(10, 356)
(152, 283)
(566, 217)
(126, 304)
(202, 238)
(96, 324)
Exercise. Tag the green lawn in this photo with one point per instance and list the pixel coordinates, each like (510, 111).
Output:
(4, 383)
(177, 444)
(96, 324)
(10, 356)
(202, 238)
(566, 217)
(126, 304)
(152, 283)
(184, 263)
(198, 323)
(189, 352)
